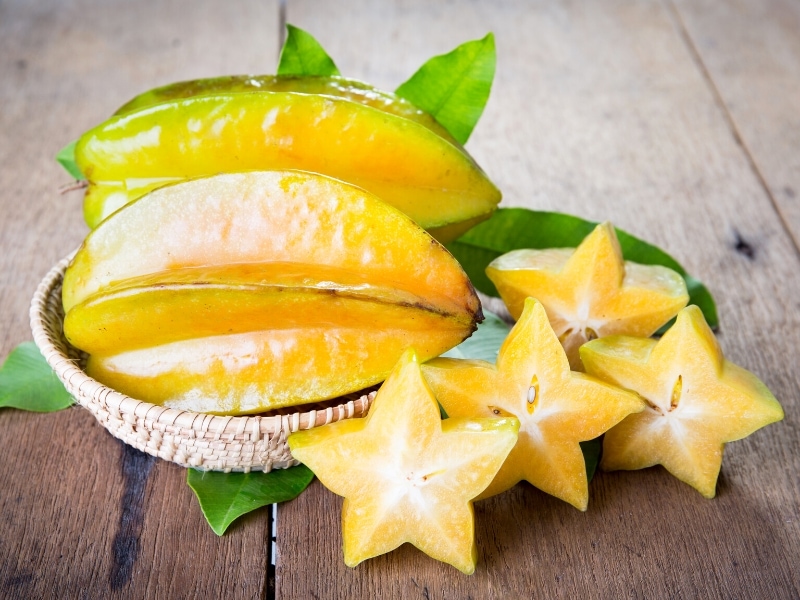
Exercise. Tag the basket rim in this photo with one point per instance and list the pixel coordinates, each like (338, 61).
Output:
(45, 305)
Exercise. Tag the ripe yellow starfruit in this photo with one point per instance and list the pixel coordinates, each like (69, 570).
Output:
(590, 291)
(406, 475)
(244, 292)
(557, 407)
(334, 85)
(358, 138)
(697, 401)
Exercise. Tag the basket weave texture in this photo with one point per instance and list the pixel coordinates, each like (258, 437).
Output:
(190, 439)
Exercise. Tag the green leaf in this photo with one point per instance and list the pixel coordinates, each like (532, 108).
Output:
(454, 87)
(66, 158)
(485, 343)
(514, 228)
(591, 455)
(303, 55)
(224, 497)
(27, 382)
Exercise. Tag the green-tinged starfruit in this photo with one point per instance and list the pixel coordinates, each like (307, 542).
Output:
(337, 87)
(406, 475)
(373, 140)
(243, 292)
(590, 291)
(696, 400)
(557, 408)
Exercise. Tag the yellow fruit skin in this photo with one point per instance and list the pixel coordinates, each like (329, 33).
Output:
(258, 371)
(338, 87)
(697, 401)
(401, 161)
(306, 221)
(590, 291)
(181, 304)
(557, 408)
(406, 475)
(245, 292)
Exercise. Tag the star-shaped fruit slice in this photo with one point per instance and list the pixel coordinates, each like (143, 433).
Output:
(696, 401)
(406, 475)
(557, 408)
(590, 291)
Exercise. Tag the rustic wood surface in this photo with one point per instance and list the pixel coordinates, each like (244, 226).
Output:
(83, 516)
(751, 51)
(676, 120)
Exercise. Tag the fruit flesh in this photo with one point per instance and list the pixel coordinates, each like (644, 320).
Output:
(282, 288)
(406, 475)
(557, 408)
(401, 161)
(697, 401)
(590, 292)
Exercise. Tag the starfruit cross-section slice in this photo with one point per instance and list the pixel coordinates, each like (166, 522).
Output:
(557, 408)
(697, 401)
(406, 475)
(243, 292)
(401, 161)
(590, 291)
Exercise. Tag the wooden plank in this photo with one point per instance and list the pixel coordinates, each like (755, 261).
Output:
(756, 71)
(83, 515)
(598, 109)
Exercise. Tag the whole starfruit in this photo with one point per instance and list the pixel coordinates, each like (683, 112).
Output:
(326, 125)
(243, 292)
(336, 86)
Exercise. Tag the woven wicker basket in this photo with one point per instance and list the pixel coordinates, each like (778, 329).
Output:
(199, 440)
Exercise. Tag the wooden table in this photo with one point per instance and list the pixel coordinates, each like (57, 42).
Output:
(677, 120)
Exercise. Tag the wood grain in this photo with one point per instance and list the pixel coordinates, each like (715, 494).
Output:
(84, 516)
(756, 72)
(599, 109)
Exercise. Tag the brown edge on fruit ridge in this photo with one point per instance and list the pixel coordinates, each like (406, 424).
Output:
(197, 440)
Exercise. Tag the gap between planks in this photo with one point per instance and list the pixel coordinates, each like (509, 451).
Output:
(281, 25)
(727, 116)
(270, 587)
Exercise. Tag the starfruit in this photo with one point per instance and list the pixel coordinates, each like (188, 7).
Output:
(243, 292)
(590, 291)
(345, 130)
(696, 401)
(406, 475)
(338, 87)
(557, 408)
